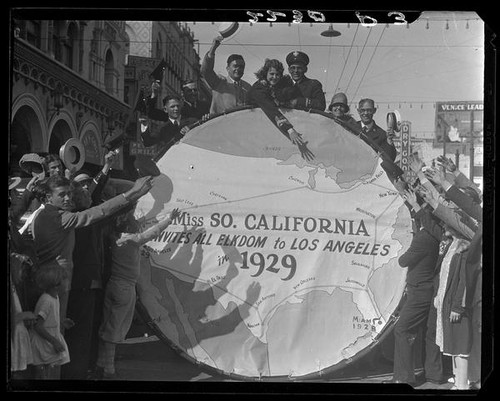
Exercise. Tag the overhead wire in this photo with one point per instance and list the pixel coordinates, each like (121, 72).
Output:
(347, 59)
(369, 62)
(359, 59)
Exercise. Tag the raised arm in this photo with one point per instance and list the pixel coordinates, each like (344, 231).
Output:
(462, 200)
(207, 65)
(99, 181)
(94, 214)
(154, 231)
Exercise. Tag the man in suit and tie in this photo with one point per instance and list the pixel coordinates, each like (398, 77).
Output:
(306, 93)
(422, 259)
(227, 92)
(191, 108)
(174, 128)
(366, 110)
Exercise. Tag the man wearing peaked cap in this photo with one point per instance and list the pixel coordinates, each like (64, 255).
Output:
(310, 93)
(297, 57)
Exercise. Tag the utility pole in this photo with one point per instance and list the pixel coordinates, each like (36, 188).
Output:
(471, 158)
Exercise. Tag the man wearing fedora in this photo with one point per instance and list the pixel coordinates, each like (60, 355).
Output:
(227, 92)
(310, 93)
(340, 109)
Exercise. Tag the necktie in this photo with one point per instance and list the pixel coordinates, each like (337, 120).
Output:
(237, 88)
(176, 123)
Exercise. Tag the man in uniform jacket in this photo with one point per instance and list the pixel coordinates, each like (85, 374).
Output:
(310, 93)
(227, 92)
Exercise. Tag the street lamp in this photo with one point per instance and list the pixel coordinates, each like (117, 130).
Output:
(111, 123)
(58, 99)
(58, 102)
(330, 32)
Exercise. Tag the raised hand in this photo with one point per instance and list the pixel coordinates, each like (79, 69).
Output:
(216, 43)
(436, 175)
(32, 183)
(416, 164)
(155, 87)
(141, 187)
(390, 136)
(174, 214)
(428, 195)
(446, 163)
(410, 196)
(110, 156)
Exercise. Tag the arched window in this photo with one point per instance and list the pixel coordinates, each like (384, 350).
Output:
(71, 46)
(159, 46)
(56, 40)
(109, 72)
(33, 32)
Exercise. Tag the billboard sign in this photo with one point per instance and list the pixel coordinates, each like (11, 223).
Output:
(457, 120)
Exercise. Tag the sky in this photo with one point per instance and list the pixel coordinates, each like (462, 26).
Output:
(439, 57)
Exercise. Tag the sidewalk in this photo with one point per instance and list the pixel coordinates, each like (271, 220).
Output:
(146, 358)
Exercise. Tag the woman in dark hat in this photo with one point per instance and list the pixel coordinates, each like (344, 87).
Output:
(340, 109)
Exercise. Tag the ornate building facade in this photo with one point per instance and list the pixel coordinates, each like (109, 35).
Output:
(79, 79)
(172, 41)
(67, 81)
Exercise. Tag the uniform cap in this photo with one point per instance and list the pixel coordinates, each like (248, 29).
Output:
(297, 57)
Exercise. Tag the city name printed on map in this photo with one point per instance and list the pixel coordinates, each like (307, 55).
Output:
(360, 323)
(316, 16)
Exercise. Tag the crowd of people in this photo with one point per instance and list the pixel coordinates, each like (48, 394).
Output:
(75, 261)
(444, 279)
(74, 264)
(271, 90)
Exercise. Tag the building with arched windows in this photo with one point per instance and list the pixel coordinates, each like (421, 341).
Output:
(79, 79)
(67, 82)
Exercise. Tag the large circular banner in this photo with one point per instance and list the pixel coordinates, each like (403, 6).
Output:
(277, 266)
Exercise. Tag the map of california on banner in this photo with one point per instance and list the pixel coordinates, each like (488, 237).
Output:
(277, 267)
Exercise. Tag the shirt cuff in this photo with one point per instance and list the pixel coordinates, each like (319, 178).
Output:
(447, 186)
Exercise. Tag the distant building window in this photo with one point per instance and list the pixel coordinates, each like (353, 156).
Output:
(33, 32)
(70, 46)
(93, 71)
(109, 72)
